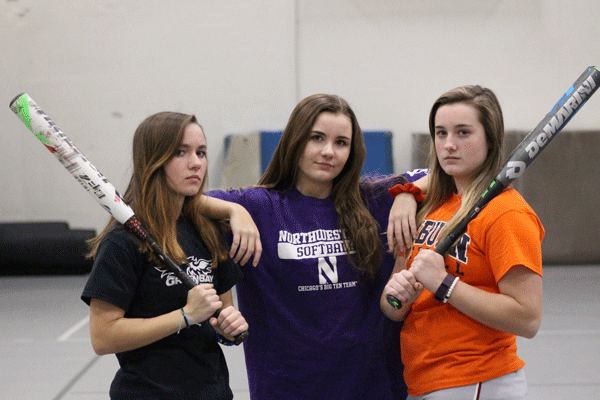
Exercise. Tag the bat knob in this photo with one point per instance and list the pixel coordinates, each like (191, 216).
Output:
(394, 302)
(240, 338)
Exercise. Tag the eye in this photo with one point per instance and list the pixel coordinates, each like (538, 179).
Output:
(441, 132)
(201, 153)
(180, 153)
(316, 137)
(463, 132)
(343, 142)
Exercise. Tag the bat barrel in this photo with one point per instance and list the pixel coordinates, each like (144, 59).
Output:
(549, 127)
(90, 178)
(70, 157)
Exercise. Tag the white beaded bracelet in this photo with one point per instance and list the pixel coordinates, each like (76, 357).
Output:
(450, 290)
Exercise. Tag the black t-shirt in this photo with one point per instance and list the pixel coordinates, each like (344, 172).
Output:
(185, 365)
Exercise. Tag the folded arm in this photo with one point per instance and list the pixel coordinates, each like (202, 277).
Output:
(246, 237)
(402, 227)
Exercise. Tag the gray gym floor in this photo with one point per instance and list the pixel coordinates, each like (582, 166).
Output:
(45, 351)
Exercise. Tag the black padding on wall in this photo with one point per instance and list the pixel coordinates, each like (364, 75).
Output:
(43, 248)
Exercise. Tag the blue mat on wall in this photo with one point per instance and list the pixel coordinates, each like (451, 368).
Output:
(380, 160)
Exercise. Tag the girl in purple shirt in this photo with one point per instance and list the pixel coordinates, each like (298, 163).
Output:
(312, 302)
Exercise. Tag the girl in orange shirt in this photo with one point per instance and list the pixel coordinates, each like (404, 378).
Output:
(462, 313)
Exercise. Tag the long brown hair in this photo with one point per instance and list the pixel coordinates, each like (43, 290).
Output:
(441, 185)
(360, 228)
(155, 143)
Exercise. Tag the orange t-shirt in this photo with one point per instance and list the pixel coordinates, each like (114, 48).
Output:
(444, 348)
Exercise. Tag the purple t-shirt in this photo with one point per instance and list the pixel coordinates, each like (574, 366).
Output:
(316, 328)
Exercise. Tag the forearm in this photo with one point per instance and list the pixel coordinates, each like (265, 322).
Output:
(518, 310)
(227, 299)
(124, 334)
(245, 236)
(216, 208)
(422, 183)
(495, 310)
(402, 225)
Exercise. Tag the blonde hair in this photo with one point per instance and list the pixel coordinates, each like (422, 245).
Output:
(441, 185)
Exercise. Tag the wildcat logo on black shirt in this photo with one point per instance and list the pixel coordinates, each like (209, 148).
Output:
(198, 269)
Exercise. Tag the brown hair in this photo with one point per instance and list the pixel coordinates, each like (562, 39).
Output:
(155, 143)
(360, 228)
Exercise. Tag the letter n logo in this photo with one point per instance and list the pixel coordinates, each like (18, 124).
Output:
(328, 270)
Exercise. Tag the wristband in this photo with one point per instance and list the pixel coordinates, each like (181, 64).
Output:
(441, 292)
(407, 188)
(187, 321)
(224, 340)
(447, 296)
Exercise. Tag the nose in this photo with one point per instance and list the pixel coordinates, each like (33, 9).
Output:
(196, 162)
(449, 143)
(327, 150)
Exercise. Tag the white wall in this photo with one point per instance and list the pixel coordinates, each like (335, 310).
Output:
(99, 68)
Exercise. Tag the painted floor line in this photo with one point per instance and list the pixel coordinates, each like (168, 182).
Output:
(65, 336)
